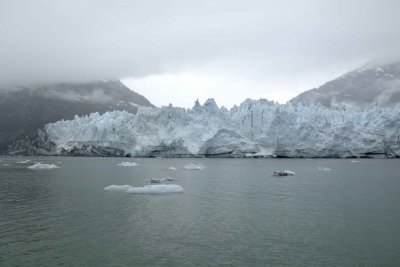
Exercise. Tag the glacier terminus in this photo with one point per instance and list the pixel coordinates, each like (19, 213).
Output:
(255, 128)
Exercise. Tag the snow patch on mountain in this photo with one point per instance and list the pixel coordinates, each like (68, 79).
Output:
(370, 85)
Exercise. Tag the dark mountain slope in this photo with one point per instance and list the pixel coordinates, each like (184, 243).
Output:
(26, 109)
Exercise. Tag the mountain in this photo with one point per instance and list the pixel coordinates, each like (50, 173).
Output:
(366, 86)
(256, 128)
(26, 109)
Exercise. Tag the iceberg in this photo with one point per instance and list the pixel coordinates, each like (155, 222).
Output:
(283, 173)
(324, 169)
(157, 189)
(193, 166)
(42, 166)
(160, 180)
(147, 189)
(127, 164)
(118, 188)
(172, 168)
(23, 161)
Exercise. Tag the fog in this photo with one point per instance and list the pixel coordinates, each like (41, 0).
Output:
(286, 46)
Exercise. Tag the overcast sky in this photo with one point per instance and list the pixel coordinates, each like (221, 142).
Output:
(177, 51)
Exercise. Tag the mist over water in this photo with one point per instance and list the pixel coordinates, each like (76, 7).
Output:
(232, 212)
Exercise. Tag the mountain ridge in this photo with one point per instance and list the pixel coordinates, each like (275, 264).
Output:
(362, 87)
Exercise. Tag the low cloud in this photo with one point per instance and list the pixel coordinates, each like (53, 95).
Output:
(44, 41)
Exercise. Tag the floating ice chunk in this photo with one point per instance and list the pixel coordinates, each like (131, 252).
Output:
(128, 164)
(193, 166)
(160, 180)
(42, 166)
(168, 179)
(23, 161)
(172, 168)
(118, 188)
(157, 189)
(148, 189)
(283, 173)
(6, 164)
(324, 169)
(354, 161)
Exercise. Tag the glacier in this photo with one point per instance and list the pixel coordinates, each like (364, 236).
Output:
(255, 128)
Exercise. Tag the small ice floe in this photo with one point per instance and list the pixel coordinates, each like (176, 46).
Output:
(354, 161)
(123, 188)
(147, 189)
(172, 168)
(23, 161)
(283, 173)
(324, 169)
(127, 164)
(160, 180)
(193, 166)
(6, 164)
(42, 166)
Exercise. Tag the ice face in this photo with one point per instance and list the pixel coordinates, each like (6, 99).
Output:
(256, 128)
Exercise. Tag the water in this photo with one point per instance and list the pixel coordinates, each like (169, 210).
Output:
(233, 213)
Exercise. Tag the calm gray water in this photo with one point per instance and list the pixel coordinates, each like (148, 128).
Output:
(233, 213)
